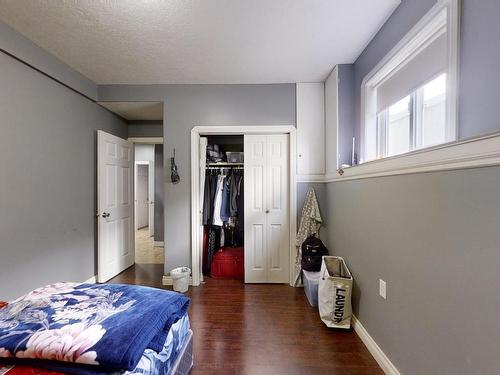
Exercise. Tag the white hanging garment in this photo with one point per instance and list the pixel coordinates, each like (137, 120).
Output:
(310, 222)
(218, 202)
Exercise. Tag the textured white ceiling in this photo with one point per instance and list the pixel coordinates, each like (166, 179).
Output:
(199, 41)
(136, 110)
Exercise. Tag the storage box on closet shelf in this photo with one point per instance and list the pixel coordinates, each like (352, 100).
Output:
(234, 157)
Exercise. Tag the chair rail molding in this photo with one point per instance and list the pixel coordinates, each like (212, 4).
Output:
(475, 152)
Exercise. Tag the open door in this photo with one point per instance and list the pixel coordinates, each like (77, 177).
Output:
(115, 162)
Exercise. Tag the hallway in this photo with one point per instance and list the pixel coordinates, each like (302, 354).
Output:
(145, 251)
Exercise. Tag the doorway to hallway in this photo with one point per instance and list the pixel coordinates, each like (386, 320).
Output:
(147, 249)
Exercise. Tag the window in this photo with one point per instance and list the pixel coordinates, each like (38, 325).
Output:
(416, 121)
(409, 99)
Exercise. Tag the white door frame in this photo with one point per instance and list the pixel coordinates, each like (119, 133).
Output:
(196, 210)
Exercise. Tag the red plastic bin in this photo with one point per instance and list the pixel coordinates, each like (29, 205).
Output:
(227, 263)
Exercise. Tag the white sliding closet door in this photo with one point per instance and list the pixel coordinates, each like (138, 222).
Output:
(267, 234)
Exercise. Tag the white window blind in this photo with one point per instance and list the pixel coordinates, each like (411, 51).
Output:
(426, 64)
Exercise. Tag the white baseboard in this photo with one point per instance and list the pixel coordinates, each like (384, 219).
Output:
(92, 280)
(159, 243)
(167, 280)
(377, 353)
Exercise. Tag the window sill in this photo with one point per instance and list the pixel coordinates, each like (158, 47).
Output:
(469, 153)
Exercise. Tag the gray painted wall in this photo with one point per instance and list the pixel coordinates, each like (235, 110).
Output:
(187, 106)
(479, 112)
(159, 223)
(24, 49)
(434, 238)
(47, 190)
(346, 112)
(145, 129)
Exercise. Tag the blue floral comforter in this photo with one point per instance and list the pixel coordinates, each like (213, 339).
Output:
(107, 325)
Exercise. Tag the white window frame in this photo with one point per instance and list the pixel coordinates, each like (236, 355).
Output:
(444, 12)
(416, 111)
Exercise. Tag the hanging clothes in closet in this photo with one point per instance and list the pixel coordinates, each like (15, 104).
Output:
(222, 211)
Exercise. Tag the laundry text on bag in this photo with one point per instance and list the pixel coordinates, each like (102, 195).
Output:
(338, 313)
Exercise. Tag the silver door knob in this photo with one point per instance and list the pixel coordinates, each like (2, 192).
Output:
(267, 211)
(106, 214)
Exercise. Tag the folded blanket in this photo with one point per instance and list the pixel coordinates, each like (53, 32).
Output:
(108, 325)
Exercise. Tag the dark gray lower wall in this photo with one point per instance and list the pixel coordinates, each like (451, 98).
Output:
(159, 198)
(48, 179)
(435, 239)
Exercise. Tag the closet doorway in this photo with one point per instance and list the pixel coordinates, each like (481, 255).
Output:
(258, 225)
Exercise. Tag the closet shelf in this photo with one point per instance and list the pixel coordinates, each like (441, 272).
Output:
(225, 164)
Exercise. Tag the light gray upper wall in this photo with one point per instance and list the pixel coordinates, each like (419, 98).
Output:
(48, 183)
(434, 238)
(187, 106)
(479, 111)
(138, 129)
(345, 112)
(27, 51)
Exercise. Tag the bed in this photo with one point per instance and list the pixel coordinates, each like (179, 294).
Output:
(93, 329)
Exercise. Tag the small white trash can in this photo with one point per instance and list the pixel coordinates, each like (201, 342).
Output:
(180, 278)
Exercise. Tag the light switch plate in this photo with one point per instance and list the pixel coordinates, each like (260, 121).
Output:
(382, 289)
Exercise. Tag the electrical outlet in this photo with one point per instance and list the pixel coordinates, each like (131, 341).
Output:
(382, 288)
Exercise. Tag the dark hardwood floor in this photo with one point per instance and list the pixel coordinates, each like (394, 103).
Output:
(261, 329)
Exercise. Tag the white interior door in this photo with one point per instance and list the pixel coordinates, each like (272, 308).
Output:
(267, 237)
(151, 198)
(115, 210)
(255, 208)
(277, 197)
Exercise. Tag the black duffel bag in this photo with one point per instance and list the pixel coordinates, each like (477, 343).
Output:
(312, 253)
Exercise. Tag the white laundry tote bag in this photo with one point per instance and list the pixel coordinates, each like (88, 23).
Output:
(334, 293)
